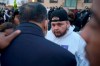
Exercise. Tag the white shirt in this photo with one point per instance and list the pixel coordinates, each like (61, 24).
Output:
(71, 40)
(80, 55)
(76, 44)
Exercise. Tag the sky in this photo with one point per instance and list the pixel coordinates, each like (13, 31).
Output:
(11, 2)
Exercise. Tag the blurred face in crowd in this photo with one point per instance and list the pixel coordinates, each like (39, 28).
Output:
(59, 28)
(91, 33)
(7, 28)
(8, 31)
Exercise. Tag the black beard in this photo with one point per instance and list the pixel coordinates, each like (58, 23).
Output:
(62, 34)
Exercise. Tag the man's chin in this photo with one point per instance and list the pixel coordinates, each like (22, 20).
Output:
(57, 35)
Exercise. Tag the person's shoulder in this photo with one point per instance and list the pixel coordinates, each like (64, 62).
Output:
(80, 41)
(49, 35)
(76, 35)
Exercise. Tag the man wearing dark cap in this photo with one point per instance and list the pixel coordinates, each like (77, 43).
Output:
(62, 32)
(31, 48)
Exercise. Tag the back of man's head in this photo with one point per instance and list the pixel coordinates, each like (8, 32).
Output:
(32, 11)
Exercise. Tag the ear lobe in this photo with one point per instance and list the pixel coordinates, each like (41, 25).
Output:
(45, 26)
(68, 24)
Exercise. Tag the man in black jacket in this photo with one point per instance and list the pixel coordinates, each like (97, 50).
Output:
(30, 48)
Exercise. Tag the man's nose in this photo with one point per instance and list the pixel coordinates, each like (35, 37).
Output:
(56, 27)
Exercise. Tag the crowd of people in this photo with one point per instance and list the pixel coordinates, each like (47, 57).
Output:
(31, 36)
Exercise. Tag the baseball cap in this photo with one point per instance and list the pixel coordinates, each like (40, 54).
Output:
(61, 14)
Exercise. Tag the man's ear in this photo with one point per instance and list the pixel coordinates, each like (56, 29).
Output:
(45, 26)
(68, 24)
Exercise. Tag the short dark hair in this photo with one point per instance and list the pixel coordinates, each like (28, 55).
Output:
(6, 25)
(32, 11)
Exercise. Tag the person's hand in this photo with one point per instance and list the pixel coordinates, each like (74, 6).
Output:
(5, 40)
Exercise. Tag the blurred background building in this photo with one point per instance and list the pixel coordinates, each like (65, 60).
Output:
(11, 2)
(70, 4)
(3, 1)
